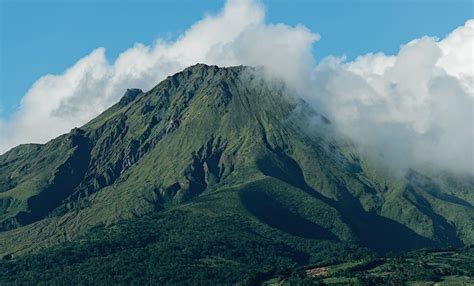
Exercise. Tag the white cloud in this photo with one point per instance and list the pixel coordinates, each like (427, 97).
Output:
(416, 107)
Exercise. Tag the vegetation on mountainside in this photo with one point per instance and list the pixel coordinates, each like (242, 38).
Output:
(422, 267)
(185, 246)
(152, 250)
(213, 175)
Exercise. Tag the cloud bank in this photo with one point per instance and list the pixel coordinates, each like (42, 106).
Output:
(415, 107)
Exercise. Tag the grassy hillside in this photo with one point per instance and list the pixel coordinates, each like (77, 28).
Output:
(215, 155)
(195, 242)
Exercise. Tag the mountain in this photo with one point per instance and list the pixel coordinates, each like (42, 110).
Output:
(222, 175)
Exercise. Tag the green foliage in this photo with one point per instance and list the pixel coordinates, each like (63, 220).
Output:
(212, 248)
(213, 175)
(419, 266)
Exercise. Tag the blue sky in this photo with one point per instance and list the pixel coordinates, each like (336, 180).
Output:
(41, 37)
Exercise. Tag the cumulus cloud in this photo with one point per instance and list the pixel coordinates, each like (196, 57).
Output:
(415, 107)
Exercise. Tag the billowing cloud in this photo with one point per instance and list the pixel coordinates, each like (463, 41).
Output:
(415, 107)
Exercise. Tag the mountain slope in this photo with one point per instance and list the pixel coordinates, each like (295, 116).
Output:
(221, 144)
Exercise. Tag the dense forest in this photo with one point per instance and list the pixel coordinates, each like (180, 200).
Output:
(153, 250)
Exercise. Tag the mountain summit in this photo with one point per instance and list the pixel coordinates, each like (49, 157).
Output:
(225, 167)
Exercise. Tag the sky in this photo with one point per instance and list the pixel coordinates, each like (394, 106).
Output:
(41, 37)
(394, 77)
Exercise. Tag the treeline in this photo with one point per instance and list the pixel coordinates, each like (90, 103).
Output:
(176, 248)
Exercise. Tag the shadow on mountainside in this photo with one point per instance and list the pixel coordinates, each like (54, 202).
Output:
(378, 233)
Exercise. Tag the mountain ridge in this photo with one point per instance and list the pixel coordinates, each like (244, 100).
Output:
(228, 136)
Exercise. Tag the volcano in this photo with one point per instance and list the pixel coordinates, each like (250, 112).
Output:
(216, 175)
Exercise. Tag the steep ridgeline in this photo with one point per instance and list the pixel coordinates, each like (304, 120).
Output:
(213, 143)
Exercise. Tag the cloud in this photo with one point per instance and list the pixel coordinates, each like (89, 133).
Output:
(415, 107)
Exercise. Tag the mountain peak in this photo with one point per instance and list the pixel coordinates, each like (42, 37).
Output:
(213, 140)
(204, 69)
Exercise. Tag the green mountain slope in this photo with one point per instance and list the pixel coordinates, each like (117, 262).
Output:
(235, 155)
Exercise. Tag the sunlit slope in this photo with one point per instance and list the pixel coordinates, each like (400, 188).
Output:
(215, 139)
